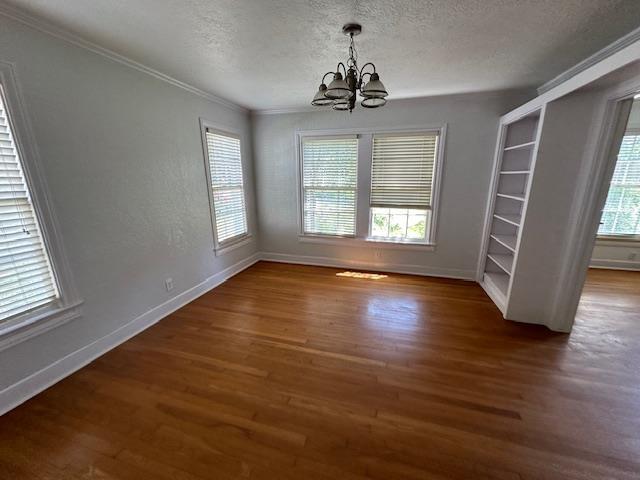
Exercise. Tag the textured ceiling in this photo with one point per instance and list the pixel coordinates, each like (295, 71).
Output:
(271, 53)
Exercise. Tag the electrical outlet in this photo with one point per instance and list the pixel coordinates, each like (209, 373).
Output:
(168, 283)
(378, 254)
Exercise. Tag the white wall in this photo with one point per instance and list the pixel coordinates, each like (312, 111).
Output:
(472, 122)
(123, 159)
(617, 253)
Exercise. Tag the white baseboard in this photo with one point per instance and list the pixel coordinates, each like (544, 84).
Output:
(30, 386)
(615, 264)
(382, 267)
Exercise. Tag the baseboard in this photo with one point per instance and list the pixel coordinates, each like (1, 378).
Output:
(382, 267)
(615, 264)
(30, 386)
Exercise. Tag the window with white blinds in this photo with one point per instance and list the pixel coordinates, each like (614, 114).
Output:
(329, 179)
(227, 187)
(402, 174)
(26, 276)
(621, 214)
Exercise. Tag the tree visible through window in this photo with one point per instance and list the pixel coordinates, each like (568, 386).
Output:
(621, 214)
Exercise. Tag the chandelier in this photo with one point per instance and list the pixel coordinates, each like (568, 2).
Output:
(341, 92)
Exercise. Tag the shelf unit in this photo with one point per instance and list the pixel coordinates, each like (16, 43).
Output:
(514, 162)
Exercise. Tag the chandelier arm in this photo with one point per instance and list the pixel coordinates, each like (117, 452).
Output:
(365, 65)
(325, 75)
(343, 68)
(361, 80)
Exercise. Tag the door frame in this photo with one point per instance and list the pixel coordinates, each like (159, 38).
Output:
(600, 160)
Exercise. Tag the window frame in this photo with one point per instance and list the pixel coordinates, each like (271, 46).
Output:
(621, 237)
(68, 305)
(220, 248)
(363, 190)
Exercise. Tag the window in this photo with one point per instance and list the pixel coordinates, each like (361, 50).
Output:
(227, 187)
(329, 179)
(621, 214)
(26, 275)
(402, 175)
(373, 187)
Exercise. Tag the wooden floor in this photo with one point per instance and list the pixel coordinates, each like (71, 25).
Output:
(290, 372)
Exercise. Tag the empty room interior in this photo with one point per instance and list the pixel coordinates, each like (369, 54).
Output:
(320, 239)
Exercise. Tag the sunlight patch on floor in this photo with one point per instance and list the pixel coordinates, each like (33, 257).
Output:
(370, 276)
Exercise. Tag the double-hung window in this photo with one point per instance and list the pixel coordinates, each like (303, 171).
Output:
(36, 288)
(26, 277)
(402, 186)
(329, 185)
(226, 184)
(373, 186)
(621, 214)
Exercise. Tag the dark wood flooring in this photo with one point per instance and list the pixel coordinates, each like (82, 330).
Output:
(291, 372)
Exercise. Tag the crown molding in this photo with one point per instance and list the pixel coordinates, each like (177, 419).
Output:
(65, 35)
(623, 42)
(279, 111)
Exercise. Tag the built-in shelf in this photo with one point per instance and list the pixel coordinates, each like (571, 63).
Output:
(522, 145)
(513, 168)
(504, 261)
(513, 196)
(498, 280)
(509, 218)
(507, 241)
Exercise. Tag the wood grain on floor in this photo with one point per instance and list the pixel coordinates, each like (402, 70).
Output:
(291, 372)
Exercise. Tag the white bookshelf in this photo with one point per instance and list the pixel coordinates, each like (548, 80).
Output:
(514, 162)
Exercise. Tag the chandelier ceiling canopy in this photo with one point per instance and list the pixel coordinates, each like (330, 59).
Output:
(342, 91)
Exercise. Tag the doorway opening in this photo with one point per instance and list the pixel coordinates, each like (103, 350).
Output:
(611, 292)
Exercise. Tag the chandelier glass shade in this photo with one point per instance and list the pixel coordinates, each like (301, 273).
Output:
(341, 93)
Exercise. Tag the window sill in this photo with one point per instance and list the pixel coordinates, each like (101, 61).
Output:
(42, 320)
(236, 243)
(367, 243)
(612, 240)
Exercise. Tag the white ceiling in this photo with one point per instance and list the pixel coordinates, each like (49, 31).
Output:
(265, 54)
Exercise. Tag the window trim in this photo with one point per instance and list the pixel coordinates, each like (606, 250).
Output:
(221, 248)
(620, 237)
(365, 159)
(68, 306)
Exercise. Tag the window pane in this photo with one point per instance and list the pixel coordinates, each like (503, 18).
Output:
(380, 223)
(26, 277)
(225, 166)
(329, 177)
(399, 224)
(621, 214)
(416, 227)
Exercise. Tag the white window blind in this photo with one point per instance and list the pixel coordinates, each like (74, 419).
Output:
(621, 214)
(26, 276)
(225, 168)
(402, 170)
(329, 171)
